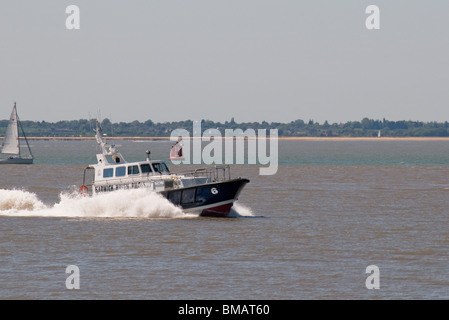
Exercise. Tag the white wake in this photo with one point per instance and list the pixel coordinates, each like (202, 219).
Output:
(135, 203)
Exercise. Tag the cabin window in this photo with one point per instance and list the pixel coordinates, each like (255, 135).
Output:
(188, 196)
(120, 171)
(145, 167)
(169, 184)
(108, 173)
(133, 170)
(160, 167)
(202, 194)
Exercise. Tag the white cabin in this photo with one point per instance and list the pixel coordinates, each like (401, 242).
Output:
(113, 172)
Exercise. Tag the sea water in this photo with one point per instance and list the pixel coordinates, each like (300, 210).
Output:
(308, 232)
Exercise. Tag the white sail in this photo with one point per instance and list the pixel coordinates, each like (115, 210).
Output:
(11, 140)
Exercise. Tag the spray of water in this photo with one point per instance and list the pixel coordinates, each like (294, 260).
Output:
(239, 210)
(136, 203)
(12, 201)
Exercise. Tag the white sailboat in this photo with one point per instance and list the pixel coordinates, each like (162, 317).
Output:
(11, 143)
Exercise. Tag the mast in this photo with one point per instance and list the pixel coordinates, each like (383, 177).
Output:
(17, 126)
(106, 149)
(100, 141)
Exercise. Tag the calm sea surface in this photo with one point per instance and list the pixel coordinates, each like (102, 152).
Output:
(308, 232)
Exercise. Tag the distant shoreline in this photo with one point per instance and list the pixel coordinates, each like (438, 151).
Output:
(279, 138)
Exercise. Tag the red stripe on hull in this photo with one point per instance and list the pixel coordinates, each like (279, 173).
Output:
(220, 211)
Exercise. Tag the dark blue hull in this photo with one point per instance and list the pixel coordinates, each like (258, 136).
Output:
(211, 199)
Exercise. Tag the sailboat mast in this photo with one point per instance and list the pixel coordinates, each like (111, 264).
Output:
(17, 126)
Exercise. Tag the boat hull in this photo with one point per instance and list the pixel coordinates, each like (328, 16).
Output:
(207, 200)
(16, 161)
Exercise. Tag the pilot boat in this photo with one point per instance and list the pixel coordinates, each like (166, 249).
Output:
(206, 191)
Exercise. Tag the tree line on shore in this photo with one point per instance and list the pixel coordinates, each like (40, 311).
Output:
(298, 128)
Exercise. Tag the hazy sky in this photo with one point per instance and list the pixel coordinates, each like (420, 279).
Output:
(254, 60)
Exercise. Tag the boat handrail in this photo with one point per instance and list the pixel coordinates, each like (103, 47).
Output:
(213, 174)
(137, 178)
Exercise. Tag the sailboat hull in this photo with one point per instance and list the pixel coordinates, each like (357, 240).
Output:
(16, 161)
